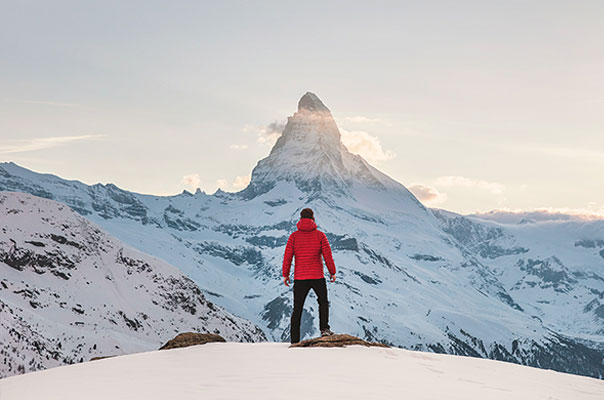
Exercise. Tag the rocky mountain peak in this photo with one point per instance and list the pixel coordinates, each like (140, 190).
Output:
(311, 102)
(310, 153)
(312, 127)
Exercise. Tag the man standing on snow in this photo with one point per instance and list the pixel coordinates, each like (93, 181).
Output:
(307, 244)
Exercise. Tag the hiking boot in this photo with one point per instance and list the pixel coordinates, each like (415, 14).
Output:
(326, 332)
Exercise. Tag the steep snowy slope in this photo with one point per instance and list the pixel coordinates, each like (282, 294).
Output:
(266, 371)
(69, 292)
(407, 275)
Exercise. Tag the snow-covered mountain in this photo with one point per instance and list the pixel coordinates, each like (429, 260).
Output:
(553, 269)
(70, 292)
(310, 154)
(265, 371)
(408, 275)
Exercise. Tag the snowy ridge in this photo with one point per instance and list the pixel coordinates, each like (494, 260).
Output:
(407, 275)
(267, 371)
(555, 269)
(70, 292)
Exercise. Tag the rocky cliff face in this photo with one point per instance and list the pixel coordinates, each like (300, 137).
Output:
(70, 292)
(407, 275)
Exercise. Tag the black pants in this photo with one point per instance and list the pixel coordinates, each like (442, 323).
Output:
(301, 288)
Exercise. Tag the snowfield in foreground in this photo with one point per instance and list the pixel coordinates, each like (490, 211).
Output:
(274, 371)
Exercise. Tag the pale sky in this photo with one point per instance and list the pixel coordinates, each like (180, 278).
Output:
(475, 105)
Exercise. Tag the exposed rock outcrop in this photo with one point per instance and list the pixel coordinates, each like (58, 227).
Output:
(100, 358)
(191, 339)
(339, 340)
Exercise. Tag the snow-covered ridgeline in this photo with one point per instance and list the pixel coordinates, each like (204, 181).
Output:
(70, 292)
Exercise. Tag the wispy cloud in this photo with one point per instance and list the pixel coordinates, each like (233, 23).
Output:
(267, 134)
(50, 103)
(569, 152)
(26, 145)
(360, 119)
(222, 184)
(368, 146)
(451, 181)
(543, 149)
(240, 182)
(238, 146)
(428, 195)
(191, 180)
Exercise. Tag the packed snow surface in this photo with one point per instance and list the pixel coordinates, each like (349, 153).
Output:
(274, 371)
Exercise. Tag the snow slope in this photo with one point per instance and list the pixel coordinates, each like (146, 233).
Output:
(70, 292)
(273, 371)
(407, 275)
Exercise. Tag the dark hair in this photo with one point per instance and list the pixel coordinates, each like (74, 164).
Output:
(307, 213)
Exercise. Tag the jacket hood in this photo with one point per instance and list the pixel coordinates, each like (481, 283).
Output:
(306, 224)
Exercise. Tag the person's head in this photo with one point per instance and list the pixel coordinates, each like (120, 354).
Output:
(307, 213)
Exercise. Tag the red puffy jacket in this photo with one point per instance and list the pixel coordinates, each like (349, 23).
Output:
(307, 244)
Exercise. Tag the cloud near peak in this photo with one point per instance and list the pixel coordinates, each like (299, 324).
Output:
(366, 145)
(270, 133)
(239, 183)
(191, 180)
(427, 194)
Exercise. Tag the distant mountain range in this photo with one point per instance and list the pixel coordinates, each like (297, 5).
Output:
(420, 278)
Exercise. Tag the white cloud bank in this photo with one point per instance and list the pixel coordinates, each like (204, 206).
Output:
(514, 216)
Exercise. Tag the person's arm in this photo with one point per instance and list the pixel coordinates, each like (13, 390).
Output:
(287, 259)
(327, 256)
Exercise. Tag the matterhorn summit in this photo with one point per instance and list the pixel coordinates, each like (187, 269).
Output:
(312, 103)
(310, 154)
